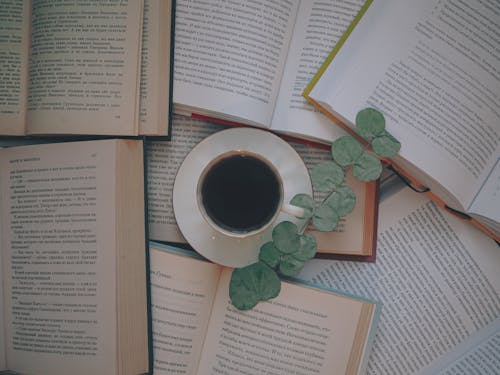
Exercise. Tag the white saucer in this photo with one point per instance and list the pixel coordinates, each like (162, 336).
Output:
(216, 247)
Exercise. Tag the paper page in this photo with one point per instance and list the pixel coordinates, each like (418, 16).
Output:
(318, 27)
(58, 266)
(182, 293)
(84, 75)
(435, 79)
(436, 277)
(229, 56)
(14, 44)
(3, 362)
(487, 201)
(303, 330)
(165, 157)
(348, 236)
(155, 68)
(163, 160)
(477, 355)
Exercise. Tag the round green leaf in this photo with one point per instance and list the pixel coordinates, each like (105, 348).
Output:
(307, 248)
(270, 255)
(326, 175)
(386, 145)
(325, 218)
(306, 202)
(370, 123)
(346, 150)
(285, 237)
(343, 200)
(367, 168)
(291, 266)
(251, 284)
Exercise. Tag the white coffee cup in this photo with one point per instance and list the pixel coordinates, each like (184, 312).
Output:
(240, 194)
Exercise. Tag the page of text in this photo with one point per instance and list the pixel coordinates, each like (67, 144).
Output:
(302, 331)
(320, 24)
(165, 157)
(163, 160)
(14, 41)
(155, 68)
(487, 200)
(229, 56)
(477, 355)
(182, 294)
(58, 266)
(84, 65)
(436, 79)
(436, 276)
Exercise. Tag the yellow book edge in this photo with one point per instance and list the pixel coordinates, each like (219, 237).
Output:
(335, 50)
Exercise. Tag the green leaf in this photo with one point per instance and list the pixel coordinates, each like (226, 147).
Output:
(370, 123)
(251, 284)
(307, 248)
(343, 200)
(325, 218)
(306, 202)
(291, 266)
(286, 238)
(270, 255)
(326, 175)
(386, 145)
(367, 168)
(346, 150)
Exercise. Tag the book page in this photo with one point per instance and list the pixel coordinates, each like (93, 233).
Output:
(14, 45)
(476, 355)
(487, 200)
(318, 28)
(229, 57)
(303, 330)
(436, 277)
(182, 293)
(349, 236)
(84, 67)
(155, 68)
(163, 160)
(58, 267)
(3, 362)
(436, 79)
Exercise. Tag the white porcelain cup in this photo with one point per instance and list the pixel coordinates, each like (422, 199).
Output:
(240, 194)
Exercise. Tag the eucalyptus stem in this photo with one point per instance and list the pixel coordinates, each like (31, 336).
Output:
(290, 248)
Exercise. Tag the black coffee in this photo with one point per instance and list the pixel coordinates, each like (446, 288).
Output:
(240, 193)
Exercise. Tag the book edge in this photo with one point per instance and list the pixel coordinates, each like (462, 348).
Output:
(335, 50)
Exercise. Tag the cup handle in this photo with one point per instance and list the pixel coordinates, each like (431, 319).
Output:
(293, 210)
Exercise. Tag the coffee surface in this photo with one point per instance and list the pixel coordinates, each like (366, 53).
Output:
(240, 193)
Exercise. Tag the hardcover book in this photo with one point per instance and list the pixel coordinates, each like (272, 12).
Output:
(430, 67)
(354, 238)
(85, 67)
(236, 64)
(73, 259)
(305, 329)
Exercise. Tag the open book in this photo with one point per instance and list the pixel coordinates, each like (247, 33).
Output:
(85, 67)
(436, 276)
(197, 331)
(432, 68)
(236, 63)
(355, 236)
(73, 259)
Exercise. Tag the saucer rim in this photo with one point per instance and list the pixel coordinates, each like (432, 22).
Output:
(196, 230)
